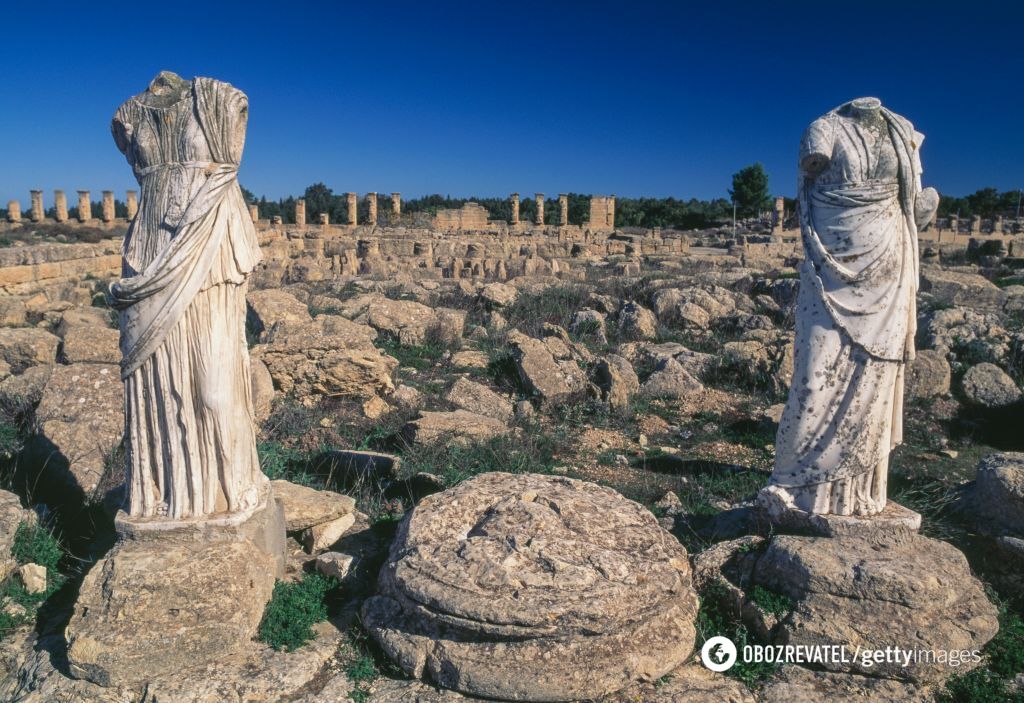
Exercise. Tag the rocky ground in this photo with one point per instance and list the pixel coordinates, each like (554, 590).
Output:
(665, 386)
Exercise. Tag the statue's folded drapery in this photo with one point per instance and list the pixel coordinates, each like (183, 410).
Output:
(190, 442)
(855, 317)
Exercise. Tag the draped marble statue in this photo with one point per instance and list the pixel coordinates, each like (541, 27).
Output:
(190, 441)
(861, 204)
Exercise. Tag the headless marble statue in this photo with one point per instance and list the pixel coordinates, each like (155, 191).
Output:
(861, 204)
(190, 442)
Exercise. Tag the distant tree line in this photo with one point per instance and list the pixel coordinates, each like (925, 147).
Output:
(986, 202)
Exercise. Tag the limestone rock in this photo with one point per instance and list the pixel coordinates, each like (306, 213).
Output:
(305, 507)
(691, 683)
(637, 322)
(270, 306)
(498, 295)
(411, 323)
(25, 390)
(308, 363)
(533, 588)
(617, 380)
(33, 577)
(478, 398)
(549, 378)
(988, 386)
(334, 564)
(456, 426)
(928, 375)
(11, 515)
(12, 311)
(81, 421)
(997, 499)
(795, 684)
(22, 347)
(262, 390)
(670, 380)
(470, 359)
(589, 324)
(98, 345)
(152, 607)
(910, 592)
(407, 398)
(962, 289)
(323, 535)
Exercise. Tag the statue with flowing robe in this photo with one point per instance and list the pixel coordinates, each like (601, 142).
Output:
(861, 205)
(189, 432)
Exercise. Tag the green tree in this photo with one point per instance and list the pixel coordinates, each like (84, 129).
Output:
(319, 199)
(750, 190)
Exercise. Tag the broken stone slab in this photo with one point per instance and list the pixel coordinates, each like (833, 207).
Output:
(459, 426)
(324, 535)
(478, 398)
(11, 516)
(988, 386)
(547, 367)
(272, 305)
(362, 462)
(775, 511)
(95, 345)
(306, 507)
(795, 684)
(33, 577)
(996, 501)
(334, 564)
(617, 380)
(533, 588)
(22, 347)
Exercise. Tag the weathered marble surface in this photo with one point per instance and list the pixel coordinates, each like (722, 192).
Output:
(861, 204)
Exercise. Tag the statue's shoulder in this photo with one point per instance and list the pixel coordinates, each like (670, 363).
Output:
(223, 89)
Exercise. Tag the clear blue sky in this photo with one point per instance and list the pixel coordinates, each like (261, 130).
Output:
(485, 98)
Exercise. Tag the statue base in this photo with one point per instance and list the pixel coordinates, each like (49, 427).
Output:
(175, 595)
(775, 514)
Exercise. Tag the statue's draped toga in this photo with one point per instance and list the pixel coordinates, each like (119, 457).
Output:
(856, 315)
(190, 442)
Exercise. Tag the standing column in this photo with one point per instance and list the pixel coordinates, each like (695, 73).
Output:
(611, 212)
(954, 224)
(84, 206)
(371, 207)
(254, 212)
(975, 224)
(36, 214)
(396, 205)
(60, 205)
(353, 208)
(780, 213)
(131, 201)
(325, 219)
(515, 208)
(13, 211)
(539, 197)
(997, 224)
(300, 212)
(108, 206)
(563, 209)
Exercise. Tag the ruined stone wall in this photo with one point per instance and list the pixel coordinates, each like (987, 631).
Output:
(470, 216)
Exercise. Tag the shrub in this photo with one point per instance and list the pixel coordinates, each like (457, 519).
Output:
(293, 610)
(769, 601)
(34, 544)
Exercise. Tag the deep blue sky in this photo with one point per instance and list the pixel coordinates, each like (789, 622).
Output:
(484, 98)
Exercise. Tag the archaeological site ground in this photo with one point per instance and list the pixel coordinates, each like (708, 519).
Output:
(763, 445)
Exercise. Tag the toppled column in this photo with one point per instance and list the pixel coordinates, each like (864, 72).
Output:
(353, 208)
(131, 201)
(539, 197)
(60, 206)
(371, 208)
(254, 212)
(13, 211)
(563, 210)
(780, 213)
(108, 206)
(515, 208)
(36, 214)
(84, 206)
(975, 224)
(396, 205)
(300, 212)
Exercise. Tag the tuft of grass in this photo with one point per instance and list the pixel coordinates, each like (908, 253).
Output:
(1004, 659)
(34, 544)
(777, 604)
(554, 305)
(293, 610)
(419, 357)
(719, 616)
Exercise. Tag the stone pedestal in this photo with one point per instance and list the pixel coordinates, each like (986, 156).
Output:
(175, 594)
(776, 515)
(60, 206)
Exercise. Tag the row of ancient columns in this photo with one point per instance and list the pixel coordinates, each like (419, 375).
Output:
(353, 209)
(953, 223)
(563, 209)
(60, 205)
